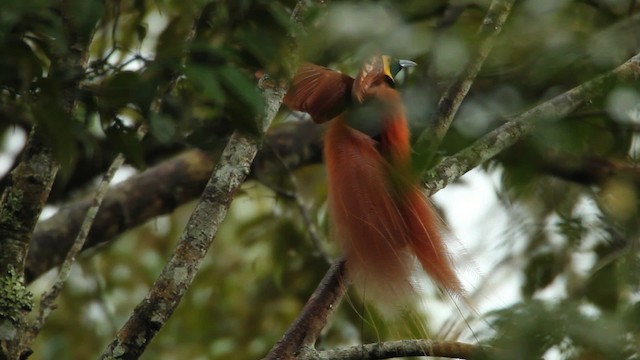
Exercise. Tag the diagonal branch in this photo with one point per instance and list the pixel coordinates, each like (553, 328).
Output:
(298, 337)
(47, 302)
(452, 167)
(143, 197)
(176, 277)
(450, 102)
(178, 274)
(305, 330)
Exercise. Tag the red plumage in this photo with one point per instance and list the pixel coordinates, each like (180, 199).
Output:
(378, 213)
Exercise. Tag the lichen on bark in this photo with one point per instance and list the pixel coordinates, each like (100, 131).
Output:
(15, 299)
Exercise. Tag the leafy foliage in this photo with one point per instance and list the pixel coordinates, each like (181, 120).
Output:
(188, 70)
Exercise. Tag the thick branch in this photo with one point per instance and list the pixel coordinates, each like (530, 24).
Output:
(451, 168)
(176, 277)
(23, 200)
(143, 197)
(30, 182)
(178, 274)
(20, 206)
(305, 330)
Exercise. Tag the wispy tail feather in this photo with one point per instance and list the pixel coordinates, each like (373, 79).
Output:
(383, 224)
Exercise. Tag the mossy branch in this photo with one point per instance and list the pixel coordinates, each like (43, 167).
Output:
(492, 144)
(178, 274)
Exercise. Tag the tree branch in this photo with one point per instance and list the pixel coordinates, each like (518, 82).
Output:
(20, 206)
(305, 330)
(167, 291)
(392, 349)
(22, 201)
(452, 167)
(47, 301)
(30, 183)
(450, 102)
(178, 274)
(142, 197)
(298, 336)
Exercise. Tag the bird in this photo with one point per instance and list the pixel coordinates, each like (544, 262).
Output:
(378, 212)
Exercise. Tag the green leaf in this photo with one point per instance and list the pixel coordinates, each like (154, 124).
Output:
(21, 67)
(118, 88)
(204, 79)
(603, 287)
(171, 42)
(162, 128)
(240, 85)
(127, 87)
(125, 140)
(56, 123)
(141, 31)
(85, 15)
(541, 270)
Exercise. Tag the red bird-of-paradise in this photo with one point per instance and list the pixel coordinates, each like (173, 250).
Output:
(378, 212)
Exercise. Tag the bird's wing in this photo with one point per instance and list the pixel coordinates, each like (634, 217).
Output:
(319, 91)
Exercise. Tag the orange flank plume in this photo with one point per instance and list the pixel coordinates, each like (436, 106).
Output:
(365, 216)
(378, 213)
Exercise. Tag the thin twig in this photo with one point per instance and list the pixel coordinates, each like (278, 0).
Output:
(294, 194)
(392, 349)
(49, 297)
(450, 102)
(452, 167)
(47, 301)
(312, 230)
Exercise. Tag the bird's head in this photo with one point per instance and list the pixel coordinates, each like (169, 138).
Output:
(379, 69)
(392, 66)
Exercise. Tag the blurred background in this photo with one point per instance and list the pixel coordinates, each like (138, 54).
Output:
(545, 234)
